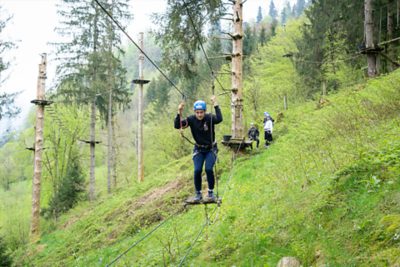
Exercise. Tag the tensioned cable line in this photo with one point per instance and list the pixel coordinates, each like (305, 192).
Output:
(138, 47)
(142, 239)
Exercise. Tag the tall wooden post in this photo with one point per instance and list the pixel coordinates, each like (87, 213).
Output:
(369, 39)
(390, 34)
(92, 143)
(140, 114)
(141, 81)
(237, 71)
(109, 136)
(37, 173)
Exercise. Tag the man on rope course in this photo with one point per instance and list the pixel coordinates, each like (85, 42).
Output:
(205, 149)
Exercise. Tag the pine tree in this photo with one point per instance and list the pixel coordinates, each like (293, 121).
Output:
(300, 5)
(89, 70)
(273, 13)
(249, 41)
(263, 36)
(178, 37)
(68, 191)
(214, 46)
(286, 13)
(322, 15)
(259, 15)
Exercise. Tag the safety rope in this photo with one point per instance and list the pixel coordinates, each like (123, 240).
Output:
(138, 47)
(143, 238)
(216, 209)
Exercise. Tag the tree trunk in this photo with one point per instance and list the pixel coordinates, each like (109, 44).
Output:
(390, 31)
(92, 180)
(36, 183)
(369, 38)
(109, 141)
(398, 13)
(140, 115)
(114, 153)
(92, 150)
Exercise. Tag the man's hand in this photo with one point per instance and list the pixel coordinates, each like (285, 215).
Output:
(180, 107)
(214, 100)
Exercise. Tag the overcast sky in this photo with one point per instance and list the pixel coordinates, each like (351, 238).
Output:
(32, 28)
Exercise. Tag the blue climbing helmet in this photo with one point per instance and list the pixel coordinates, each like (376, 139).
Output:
(199, 105)
(266, 114)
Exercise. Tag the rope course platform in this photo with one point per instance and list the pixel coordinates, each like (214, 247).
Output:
(90, 142)
(139, 81)
(371, 50)
(205, 201)
(237, 143)
(41, 102)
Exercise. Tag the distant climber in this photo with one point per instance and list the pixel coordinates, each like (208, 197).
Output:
(268, 128)
(254, 134)
(205, 150)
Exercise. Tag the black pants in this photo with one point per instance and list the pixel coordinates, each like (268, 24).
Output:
(268, 138)
(257, 141)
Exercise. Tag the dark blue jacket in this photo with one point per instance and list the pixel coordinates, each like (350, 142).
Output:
(201, 129)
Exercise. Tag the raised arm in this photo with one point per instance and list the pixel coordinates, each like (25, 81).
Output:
(217, 118)
(180, 122)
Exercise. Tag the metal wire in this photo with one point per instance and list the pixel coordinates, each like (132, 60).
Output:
(138, 47)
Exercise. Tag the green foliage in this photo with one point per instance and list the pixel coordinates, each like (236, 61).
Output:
(279, 77)
(250, 40)
(334, 40)
(7, 105)
(90, 67)
(157, 93)
(5, 259)
(67, 193)
(179, 40)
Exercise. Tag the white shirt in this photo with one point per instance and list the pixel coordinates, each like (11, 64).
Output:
(268, 126)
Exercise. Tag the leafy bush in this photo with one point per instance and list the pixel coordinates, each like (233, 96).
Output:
(5, 259)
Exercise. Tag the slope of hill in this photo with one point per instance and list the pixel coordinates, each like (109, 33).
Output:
(327, 191)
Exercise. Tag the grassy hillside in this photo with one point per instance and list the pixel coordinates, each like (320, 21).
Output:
(326, 192)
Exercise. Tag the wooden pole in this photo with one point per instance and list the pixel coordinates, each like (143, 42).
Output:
(398, 13)
(369, 38)
(237, 71)
(140, 114)
(109, 136)
(92, 143)
(390, 33)
(37, 173)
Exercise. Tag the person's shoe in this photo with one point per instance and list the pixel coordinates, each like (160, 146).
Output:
(198, 197)
(211, 196)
